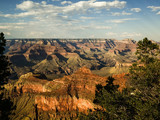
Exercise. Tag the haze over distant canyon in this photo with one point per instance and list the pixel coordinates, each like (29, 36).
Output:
(58, 57)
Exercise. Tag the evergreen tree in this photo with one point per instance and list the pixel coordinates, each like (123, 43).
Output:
(147, 51)
(145, 80)
(115, 105)
(4, 63)
(5, 104)
(146, 72)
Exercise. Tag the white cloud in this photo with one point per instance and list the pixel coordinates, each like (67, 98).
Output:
(125, 13)
(120, 13)
(116, 4)
(122, 20)
(102, 27)
(51, 20)
(91, 27)
(66, 2)
(36, 34)
(155, 9)
(18, 27)
(23, 14)
(56, 0)
(123, 35)
(134, 34)
(13, 24)
(4, 27)
(136, 9)
(118, 21)
(7, 33)
(31, 8)
(111, 34)
(10, 26)
(158, 13)
(26, 5)
(116, 13)
(37, 10)
(84, 6)
(86, 18)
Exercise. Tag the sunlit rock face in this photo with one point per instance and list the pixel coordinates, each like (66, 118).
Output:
(70, 94)
(63, 104)
(58, 57)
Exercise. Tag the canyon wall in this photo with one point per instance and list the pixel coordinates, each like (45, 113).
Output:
(65, 97)
(58, 57)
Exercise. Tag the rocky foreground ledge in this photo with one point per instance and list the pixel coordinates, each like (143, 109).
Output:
(60, 98)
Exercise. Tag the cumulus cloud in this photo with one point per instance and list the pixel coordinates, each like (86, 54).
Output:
(136, 9)
(155, 9)
(37, 10)
(120, 13)
(26, 5)
(51, 18)
(66, 2)
(84, 6)
(31, 8)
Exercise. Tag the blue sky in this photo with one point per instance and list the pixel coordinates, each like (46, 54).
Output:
(117, 19)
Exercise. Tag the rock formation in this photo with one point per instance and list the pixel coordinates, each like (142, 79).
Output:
(63, 97)
(58, 57)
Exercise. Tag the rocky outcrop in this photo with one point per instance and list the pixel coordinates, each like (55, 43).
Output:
(70, 94)
(120, 80)
(63, 104)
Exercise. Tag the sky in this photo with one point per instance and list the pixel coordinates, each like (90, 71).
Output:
(118, 19)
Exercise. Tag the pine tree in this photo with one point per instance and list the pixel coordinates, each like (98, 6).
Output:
(145, 81)
(114, 103)
(4, 63)
(5, 104)
(146, 72)
(147, 51)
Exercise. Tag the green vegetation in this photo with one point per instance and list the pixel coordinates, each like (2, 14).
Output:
(4, 64)
(145, 80)
(5, 104)
(147, 51)
(141, 99)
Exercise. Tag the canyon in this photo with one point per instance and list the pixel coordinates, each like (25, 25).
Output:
(58, 57)
(57, 78)
(63, 98)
